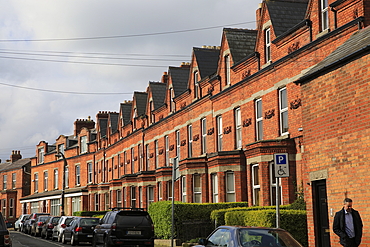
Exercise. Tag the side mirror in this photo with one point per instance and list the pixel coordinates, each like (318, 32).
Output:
(203, 241)
(101, 221)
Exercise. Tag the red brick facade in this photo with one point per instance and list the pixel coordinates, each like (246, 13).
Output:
(224, 115)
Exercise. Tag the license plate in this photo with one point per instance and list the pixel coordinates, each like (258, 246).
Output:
(89, 236)
(133, 232)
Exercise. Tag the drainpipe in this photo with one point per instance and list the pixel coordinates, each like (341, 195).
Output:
(335, 17)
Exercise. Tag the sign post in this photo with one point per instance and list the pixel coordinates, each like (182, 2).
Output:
(175, 176)
(281, 163)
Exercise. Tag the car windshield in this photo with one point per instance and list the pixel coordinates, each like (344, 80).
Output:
(133, 220)
(55, 220)
(43, 218)
(89, 222)
(266, 237)
(69, 220)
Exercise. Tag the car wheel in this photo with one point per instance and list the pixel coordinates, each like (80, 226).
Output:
(42, 235)
(59, 238)
(94, 241)
(64, 241)
(73, 240)
(106, 244)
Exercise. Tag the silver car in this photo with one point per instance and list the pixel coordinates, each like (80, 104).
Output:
(18, 224)
(58, 230)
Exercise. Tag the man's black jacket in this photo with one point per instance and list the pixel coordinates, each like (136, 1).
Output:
(339, 226)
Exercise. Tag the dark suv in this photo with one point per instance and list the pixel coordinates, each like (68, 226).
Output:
(125, 226)
(4, 233)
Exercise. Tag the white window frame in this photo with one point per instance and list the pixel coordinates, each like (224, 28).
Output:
(214, 181)
(183, 188)
(172, 102)
(227, 69)
(169, 190)
(197, 188)
(150, 194)
(132, 160)
(178, 144)
(119, 198)
(190, 141)
(219, 133)
(96, 201)
(167, 150)
(259, 119)
(35, 181)
(14, 180)
(156, 148)
(78, 174)
(133, 196)
(66, 177)
(256, 186)
(147, 165)
(160, 191)
(83, 143)
(41, 153)
(203, 122)
(196, 84)
(238, 128)
(46, 178)
(56, 179)
(5, 181)
(283, 110)
(151, 114)
(89, 172)
(61, 150)
(324, 9)
(140, 150)
(267, 45)
(230, 187)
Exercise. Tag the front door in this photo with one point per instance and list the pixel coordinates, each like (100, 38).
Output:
(322, 228)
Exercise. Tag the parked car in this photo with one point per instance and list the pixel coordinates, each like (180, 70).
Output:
(28, 224)
(81, 229)
(18, 224)
(58, 229)
(5, 239)
(240, 236)
(47, 228)
(37, 226)
(125, 226)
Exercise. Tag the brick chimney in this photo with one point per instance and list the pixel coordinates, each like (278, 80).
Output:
(258, 14)
(16, 155)
(83, 123)
(164, 77)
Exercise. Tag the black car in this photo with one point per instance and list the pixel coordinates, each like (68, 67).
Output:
(47, 228)
(37, 226)
(81, 229)
(241, 236)
(125, 226)
(4, 233)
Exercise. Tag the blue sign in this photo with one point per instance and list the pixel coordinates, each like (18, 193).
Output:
(281, 165)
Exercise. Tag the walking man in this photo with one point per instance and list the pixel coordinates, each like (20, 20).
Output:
(348, 225)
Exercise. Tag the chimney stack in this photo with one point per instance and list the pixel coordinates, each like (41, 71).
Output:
(16, 155)
(258, 14)
(164, 77)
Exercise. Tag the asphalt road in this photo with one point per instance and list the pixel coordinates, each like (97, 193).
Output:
(21, 239)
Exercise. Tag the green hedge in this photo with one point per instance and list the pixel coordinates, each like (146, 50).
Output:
(267, 218)
(89, 213)
(188, 216)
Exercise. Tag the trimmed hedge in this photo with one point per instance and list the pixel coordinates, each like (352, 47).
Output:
(267, 218)
(185, 214)
(89, 213)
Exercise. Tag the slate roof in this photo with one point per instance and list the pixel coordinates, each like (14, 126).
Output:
(8, 166)
(158, 93)
(285, 14)
(140, 98)
(180, 77)
(207, 60)
(126, 112)
(113, 116)
(103, 123)
(242, 42)
(359, 42)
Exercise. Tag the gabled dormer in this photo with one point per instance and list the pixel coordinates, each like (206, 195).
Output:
(274, 19)
(112, 127)
(101, 128)
(124, 118)
(138, 109)
(156, 96)
(203, 65)
(236, 45)
(41, 150)
(177, 84)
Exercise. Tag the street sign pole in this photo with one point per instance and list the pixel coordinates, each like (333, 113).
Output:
(175, 172)
(281, 163)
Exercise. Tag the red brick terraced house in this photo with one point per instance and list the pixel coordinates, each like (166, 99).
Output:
(15, 183)
(297, 84)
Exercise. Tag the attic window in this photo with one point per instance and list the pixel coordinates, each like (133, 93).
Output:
(196, 85)
(324, 15)
(172, 103)
(151, 106)
(267, 45)
(227, 69)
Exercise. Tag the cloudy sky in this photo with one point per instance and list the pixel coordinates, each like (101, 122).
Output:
(63, 60)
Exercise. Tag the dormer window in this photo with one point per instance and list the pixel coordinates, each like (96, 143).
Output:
(172, 103)
(60, 150)
(83, 143)
(324, 15)
(151, 107)
(196, 85)
(41, 153)
(267, 45)
(227, 69)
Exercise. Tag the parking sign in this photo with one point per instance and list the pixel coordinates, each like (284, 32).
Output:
(281, 165)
